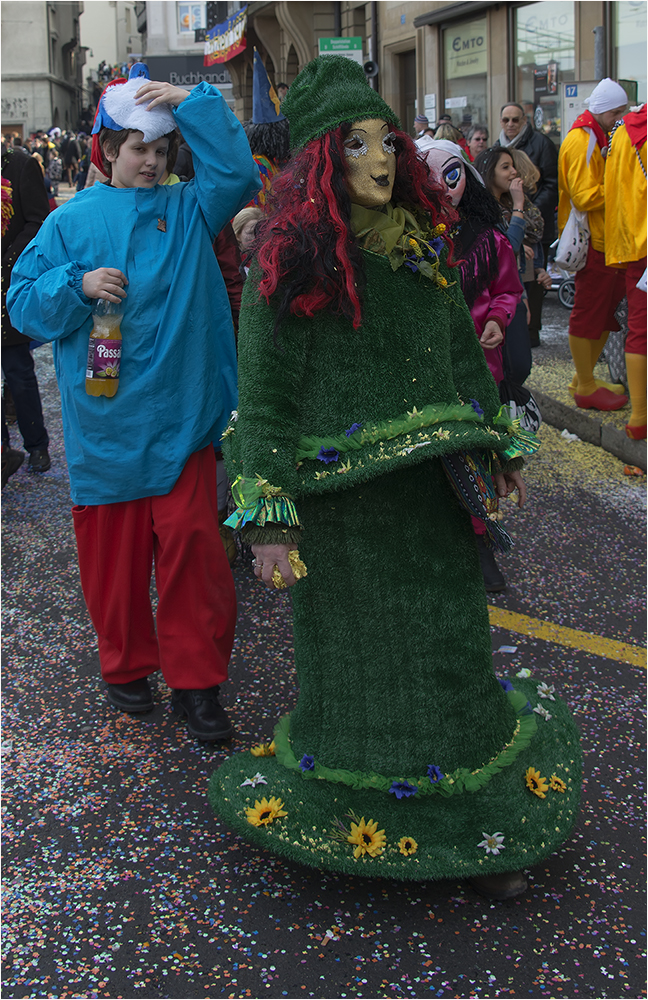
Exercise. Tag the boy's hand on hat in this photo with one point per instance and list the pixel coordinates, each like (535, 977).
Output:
(104, 283)
(160, 93)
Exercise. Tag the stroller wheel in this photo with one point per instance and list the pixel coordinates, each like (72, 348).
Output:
(567, 293)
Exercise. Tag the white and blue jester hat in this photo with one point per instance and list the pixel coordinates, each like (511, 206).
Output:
(117, 110)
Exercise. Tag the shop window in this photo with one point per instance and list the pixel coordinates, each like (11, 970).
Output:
(465, 65)
(191, 17)
(630, 45)
(544, 58)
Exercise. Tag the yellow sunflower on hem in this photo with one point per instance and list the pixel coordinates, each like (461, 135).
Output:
(407, 845)
(536, 783)
(367, 838)
(266, 811)
(557, 784)
(263, 750)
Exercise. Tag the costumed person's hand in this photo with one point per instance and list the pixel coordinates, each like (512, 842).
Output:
(160, 93)
(517, 194)
(529, 252)
(507, 482)
(492, 335)
(267, 557)
(544, 279)
(104, 283)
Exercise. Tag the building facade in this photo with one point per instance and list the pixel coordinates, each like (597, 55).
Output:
(173, 43)
(464, 59)
(109, 36)
(42, 66)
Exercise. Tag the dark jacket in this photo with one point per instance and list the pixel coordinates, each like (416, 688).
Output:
(543, 153)
(30, 208)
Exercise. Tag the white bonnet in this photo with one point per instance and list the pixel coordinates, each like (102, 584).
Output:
(606, 96)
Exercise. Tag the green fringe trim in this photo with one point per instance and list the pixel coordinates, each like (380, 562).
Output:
(310, 446)
(457, 782)
(520, 442)
(271, 534)
(259, 503)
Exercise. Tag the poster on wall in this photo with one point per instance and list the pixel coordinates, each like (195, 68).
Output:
(226, 40)
(545, 81)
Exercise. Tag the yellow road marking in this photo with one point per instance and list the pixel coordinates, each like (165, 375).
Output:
(589, 643)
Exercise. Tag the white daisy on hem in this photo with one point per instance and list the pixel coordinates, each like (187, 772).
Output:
(255, 780)
(493, 843)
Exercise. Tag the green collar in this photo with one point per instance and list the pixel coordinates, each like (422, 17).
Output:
(395, 233)
(379, 230)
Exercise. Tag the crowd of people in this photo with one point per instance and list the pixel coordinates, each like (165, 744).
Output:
(357, 392)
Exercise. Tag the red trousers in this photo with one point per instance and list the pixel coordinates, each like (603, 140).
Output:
(196, 614)
(636, 339)
(599, 289)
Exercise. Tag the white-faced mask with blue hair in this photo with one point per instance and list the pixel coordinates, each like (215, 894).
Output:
(448, 165)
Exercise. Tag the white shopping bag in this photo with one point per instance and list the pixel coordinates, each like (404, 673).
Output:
(573, 244)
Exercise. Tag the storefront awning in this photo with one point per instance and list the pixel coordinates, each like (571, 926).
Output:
(452, 11)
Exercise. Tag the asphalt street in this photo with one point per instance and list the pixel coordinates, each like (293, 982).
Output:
(120, 882)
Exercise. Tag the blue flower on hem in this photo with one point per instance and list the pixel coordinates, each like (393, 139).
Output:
(352, 429)
(307, 763)
(435, 774)
(328, 455)
(403, 789)
(412, 263)
(507, 685)
(476, 407)
(437, 246)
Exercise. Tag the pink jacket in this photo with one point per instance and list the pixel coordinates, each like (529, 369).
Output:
(499, 301)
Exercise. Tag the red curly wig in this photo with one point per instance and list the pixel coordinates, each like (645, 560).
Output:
(306, 249)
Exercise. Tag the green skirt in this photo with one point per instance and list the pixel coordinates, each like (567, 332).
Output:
(404, 756)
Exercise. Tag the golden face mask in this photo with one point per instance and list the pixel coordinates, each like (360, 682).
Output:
(371, 162)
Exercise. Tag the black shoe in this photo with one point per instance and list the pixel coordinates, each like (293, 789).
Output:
(206, 718)
(39, 460)
(12, 459)
(133, 697)
(493, 578)
(508, 885)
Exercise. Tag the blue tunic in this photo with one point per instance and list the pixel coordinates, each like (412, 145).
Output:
(178, 372)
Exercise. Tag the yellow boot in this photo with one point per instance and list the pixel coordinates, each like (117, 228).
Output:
(636, 366)
(596, 347)
(585, 354)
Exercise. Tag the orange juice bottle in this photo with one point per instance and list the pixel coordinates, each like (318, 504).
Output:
(104, 349)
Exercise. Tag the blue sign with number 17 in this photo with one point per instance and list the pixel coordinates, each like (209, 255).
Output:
(571, 90)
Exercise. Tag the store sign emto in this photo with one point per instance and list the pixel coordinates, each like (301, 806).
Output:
(466, 49)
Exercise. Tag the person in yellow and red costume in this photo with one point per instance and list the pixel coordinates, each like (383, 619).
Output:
(599, 288)
(625, 243)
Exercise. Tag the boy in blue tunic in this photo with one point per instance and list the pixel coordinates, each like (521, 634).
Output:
(142, 466)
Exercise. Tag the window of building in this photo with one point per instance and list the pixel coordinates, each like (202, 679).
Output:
(191, 17)
(465, 64)
(544, 58)
(407, 81)
(630, 44)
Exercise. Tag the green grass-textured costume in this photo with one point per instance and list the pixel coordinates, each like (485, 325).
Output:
(405, 757)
